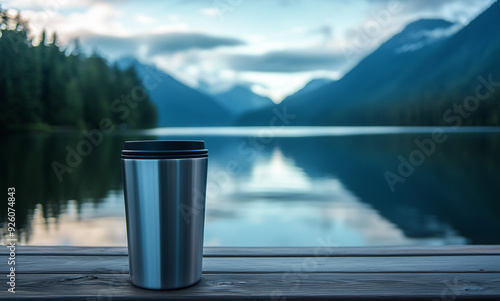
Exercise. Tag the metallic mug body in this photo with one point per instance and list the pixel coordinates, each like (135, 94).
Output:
(165, 213)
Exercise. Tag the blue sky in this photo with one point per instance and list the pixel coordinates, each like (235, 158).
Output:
(275, 47)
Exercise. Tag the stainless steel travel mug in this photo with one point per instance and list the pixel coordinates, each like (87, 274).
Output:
(164, 185)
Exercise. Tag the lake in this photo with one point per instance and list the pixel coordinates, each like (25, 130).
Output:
(293, 186)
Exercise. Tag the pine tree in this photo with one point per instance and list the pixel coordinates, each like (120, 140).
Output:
(43, 84)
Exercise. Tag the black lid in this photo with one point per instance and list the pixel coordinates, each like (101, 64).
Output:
(164, 149)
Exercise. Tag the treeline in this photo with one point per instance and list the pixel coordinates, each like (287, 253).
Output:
(457, 109)
(43, 85)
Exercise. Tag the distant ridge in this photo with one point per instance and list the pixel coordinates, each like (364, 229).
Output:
(177, 104)
(412, 87)
(312, 85)
(240, 99)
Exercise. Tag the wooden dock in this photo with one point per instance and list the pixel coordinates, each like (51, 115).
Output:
(329, 273)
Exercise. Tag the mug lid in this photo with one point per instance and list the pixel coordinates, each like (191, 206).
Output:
(164, 149)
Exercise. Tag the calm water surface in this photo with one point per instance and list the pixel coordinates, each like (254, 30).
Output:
(274, 187)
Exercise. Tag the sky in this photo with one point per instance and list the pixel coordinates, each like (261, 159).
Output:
(274, 47)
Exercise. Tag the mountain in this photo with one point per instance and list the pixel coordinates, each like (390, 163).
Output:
(411, 79)
(240, 99)
(419, 34)
(177, 104)
(313, 85)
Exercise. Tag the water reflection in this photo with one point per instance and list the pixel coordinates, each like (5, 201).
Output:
(281, 191)
(41, 199)
(453, 191)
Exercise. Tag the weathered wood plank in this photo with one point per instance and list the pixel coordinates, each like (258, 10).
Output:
(294, 286)
(406, 264)
(277, 252)
(436, 273)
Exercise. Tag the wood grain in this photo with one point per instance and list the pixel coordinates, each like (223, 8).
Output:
(326, 251)
(407, 264)
(313, 286)
(394, 273)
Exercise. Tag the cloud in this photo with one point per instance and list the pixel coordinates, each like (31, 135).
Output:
(458, 10)
(54, 5)
(438, 4)
(100, 18)
(210, 12)
(426, 37)
(157, 44)
(176, 42)
(288, 61)
(143, 19)
(420, 4)
(325, 30)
